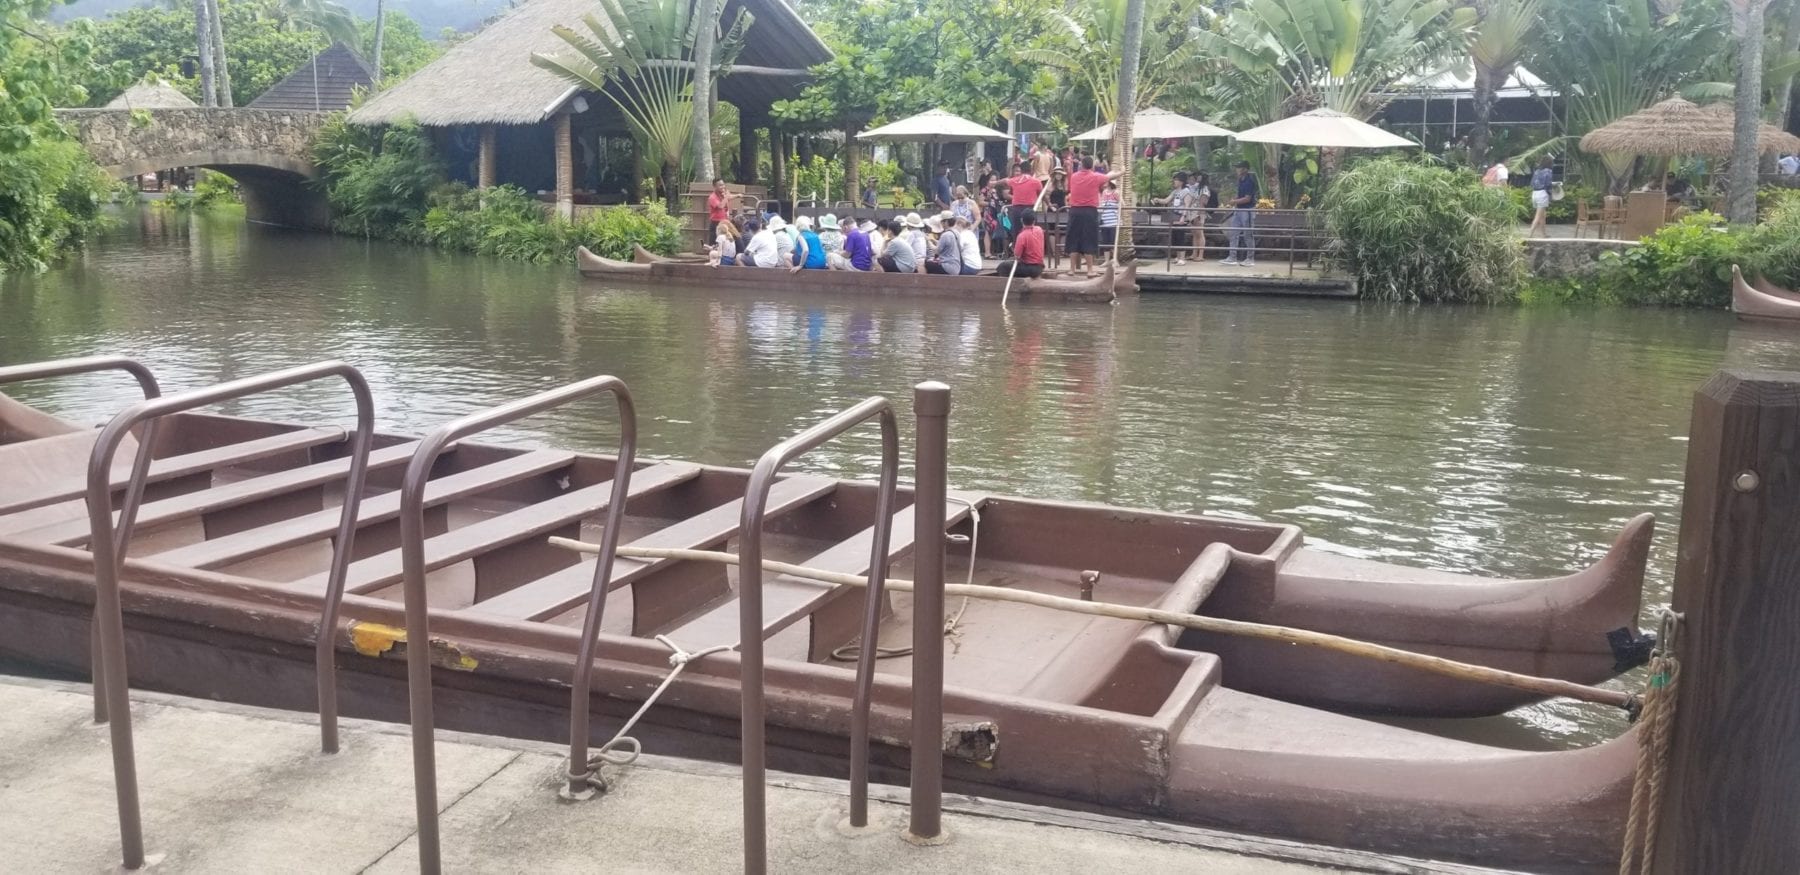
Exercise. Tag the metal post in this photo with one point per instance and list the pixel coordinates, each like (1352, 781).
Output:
(931, 410)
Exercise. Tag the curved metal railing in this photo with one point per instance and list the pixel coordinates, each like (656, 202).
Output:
(750, 616)
(128, 509)
(109, 549)
(418, 622)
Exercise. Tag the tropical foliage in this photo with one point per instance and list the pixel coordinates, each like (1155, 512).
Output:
(51, 200)
(1412, 232)
(626, 55)
(1497, 41)
(1085, 42)
(266, 41)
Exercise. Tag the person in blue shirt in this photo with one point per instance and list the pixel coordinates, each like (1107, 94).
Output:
(858, 254)
(815, 248)
(1242, 229)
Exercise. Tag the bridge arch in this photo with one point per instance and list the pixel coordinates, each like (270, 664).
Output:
(268, 152)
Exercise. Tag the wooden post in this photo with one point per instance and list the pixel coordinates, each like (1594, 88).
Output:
(747, 143)
(565, 168)
(1732, 798)
(778, 176)
(489, 160)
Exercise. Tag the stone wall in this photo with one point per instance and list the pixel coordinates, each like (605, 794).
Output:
(196, 138)
(1559, 258)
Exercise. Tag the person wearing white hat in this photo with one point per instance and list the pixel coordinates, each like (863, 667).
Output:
(946, 257)
(829, 235)
(784, 242)
(809, 251)
(914, 235)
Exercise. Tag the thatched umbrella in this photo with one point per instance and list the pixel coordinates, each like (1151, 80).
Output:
(1677, 127)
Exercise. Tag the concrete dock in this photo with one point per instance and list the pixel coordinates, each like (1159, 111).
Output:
(228, 788)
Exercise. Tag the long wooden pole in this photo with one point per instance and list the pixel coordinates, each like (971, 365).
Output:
(1015, 259)
(1337, 643)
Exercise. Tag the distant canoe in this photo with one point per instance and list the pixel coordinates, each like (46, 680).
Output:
(1762, 299)
(1099, 289)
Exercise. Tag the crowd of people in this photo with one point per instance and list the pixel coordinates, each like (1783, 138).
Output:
(993, 217)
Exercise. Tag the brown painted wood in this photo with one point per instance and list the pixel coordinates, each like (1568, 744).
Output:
(1732, 802)
(786, 600)
(74, 533)
(173, 467)
(493, 533)
(567, 589)
(219, 552)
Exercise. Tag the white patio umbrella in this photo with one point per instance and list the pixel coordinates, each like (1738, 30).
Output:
(1157, 124)
(933, 126)
(1324, 127)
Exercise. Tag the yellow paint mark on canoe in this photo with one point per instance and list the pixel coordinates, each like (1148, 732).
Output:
(374, 639)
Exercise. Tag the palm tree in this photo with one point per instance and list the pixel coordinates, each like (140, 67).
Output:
(221, 73)
(209, 88)
(639, 54)
(1091, 44)
(705, 39)
(1501, 34)
(1131, 47)
(1740, 200)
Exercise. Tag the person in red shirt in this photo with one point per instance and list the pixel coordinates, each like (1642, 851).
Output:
(718, 207)
(1028, 249)
(1025, 191)
(1083, 243)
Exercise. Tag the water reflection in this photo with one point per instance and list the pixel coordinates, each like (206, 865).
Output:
(1499, 442)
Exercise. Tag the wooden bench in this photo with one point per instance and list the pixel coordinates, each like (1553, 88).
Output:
(566, 589)
(172, 467)
(217, 552)
(788, 599)
(526, 523)
(74, 533)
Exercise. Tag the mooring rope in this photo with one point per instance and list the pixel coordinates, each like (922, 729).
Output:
(849, 652)
(1656, 716)
(604, 754)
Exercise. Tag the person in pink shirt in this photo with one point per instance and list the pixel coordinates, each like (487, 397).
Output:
(1083, 244)
(1026, 188)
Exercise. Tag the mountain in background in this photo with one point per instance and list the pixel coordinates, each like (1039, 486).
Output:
(432, 15)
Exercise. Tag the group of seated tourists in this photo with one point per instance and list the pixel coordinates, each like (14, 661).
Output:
(945, 243)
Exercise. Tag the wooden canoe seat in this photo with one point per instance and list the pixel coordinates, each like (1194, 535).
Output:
(568, 588)
(787, 600)
(179, 466)
(218, 552)
(523, 524)
(74, 533)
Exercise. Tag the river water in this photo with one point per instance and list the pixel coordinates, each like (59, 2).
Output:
(1503, 442)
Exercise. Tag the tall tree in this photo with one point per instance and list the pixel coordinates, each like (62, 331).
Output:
(1790, 44)
(1747, 25)
(639, 54)
(209, 84)
(1497, 42)
(1130, 51)
(1086, 42)
(705, 38)
(221, 72)
(380, 35)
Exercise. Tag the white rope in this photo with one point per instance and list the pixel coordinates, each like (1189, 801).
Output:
(605, 754)
(850, 651)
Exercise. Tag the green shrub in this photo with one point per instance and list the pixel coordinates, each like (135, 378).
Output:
(1684, 264)
(1773, 247)
(377, 180)
(505, 222)
(50, 201)
(1414, 232)
(611, 231)
(210, 189)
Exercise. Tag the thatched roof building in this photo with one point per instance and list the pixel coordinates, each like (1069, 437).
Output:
(490, 80)
(1676, 127)
(151, 95)
(327, 83)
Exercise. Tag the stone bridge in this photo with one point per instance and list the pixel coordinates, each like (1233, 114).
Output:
(268, 152)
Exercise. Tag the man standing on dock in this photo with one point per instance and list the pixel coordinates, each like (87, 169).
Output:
(1243, 213)
(718, 207)
(1083, 242)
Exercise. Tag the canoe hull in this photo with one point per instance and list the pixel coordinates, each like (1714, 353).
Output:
(1098, 290)
(1762, 300)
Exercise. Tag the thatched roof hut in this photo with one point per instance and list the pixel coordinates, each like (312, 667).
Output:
(151, 95)
(1677, 127)
(490, 80)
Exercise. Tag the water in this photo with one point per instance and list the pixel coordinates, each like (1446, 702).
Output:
(1499, 442)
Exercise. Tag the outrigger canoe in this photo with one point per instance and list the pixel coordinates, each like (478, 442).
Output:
(1762, 299)
(226, 575)
(1098, 290)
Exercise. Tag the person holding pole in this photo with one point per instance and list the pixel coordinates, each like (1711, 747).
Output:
(1028, 250)
(1026, 190)
(1083, 244)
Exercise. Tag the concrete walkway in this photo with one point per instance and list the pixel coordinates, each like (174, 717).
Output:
(234, 789)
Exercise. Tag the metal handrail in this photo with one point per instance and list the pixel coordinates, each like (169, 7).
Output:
(108, 557)
(750, 616)
(418, 621)
(128, 510)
